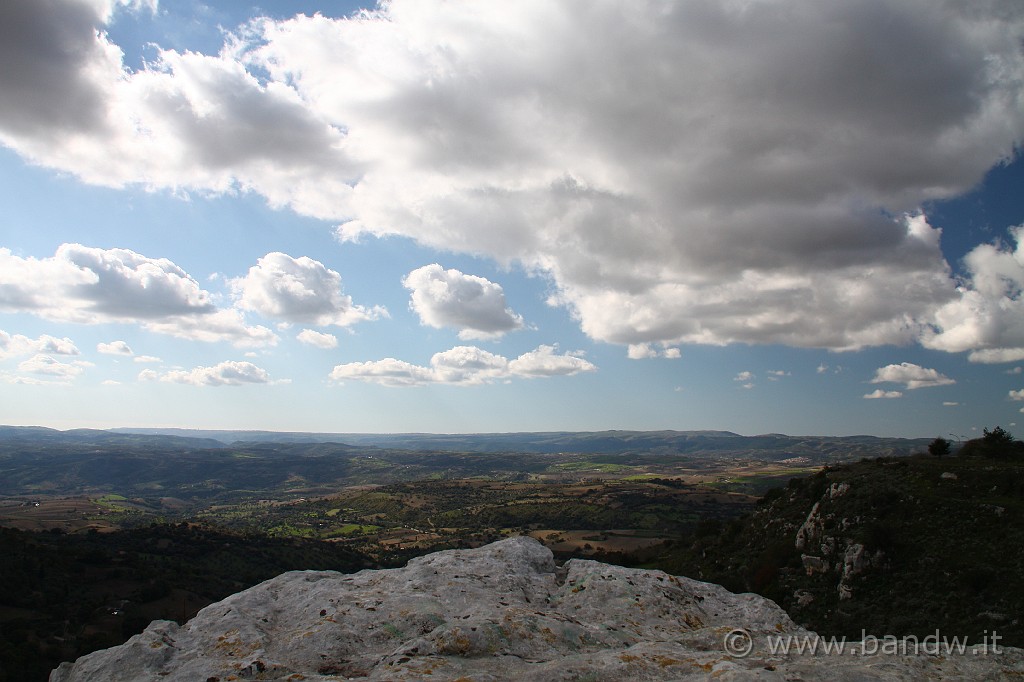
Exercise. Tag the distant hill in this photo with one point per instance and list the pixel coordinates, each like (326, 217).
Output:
(199, 466)
(689, 443)
(38, 435)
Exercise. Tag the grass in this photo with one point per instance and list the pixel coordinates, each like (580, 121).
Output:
(109, 501)
(353, 529)
(639, 477)
(603, 467)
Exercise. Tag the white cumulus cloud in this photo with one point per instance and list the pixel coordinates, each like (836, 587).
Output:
(911, 375)
(465, 366)
(746, 378)
(387, 372)
(13, 345)
(311, 337)
(299, 290)
(879, 393)
(546, 362)
(449, 298)
(95, 286)
(50, 366)
(228, 373)
(987, 317)
(114, 348)
(640, 351)
(468, 365)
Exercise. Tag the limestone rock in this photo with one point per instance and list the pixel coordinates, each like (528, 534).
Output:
(810, 529)
(814, 564)
(854, 561)
(803, 598)
(500, 612)
(828, 545)
(838, 490)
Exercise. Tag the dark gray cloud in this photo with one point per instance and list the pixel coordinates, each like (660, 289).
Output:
(50, 53)
(701, 172)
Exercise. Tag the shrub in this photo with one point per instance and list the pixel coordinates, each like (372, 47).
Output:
(997, 436)
(995, 444)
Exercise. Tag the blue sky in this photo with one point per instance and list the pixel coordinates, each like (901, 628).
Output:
(799, 217)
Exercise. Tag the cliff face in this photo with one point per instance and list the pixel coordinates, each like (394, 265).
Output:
(504, 611)
(902, 545)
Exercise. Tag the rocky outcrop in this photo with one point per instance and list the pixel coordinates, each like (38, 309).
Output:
(500, 612)
(811, 529)
(839, 554)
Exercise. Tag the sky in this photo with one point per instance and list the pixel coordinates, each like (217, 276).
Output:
(792, 216)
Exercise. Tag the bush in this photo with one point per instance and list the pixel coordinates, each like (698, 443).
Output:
(770, 496)
(995, 444)
(879, 536)
(997, 436)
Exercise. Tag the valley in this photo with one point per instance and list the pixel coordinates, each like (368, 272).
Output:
(103, 531)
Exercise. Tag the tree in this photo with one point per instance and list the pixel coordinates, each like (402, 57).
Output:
(939, 447)
(997, 436)
(995, 444)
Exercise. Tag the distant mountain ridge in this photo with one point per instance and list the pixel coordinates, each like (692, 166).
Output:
(667, 442)
(419, 440)
(41, 435)
(207, 465)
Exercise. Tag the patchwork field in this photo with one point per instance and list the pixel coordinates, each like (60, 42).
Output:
(69, 515)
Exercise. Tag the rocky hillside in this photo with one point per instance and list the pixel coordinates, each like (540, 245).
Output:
(891, 545)
(503, 611)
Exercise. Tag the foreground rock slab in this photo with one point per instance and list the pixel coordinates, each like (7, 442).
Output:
(500, 612)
